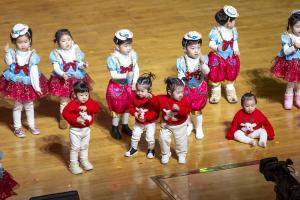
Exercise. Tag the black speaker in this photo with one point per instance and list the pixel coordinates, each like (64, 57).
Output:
(71, 195)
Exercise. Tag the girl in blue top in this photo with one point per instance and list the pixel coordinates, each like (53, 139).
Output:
(68, 67)
(287, 63)
(22, 82)
(224, 60)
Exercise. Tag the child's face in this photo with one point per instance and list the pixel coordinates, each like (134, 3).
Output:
(230, 24)
(65, 42)
(142, 91)
(23, 43)
(125, 48)
(177, 93)
(82, 97)
(249, 105)
(296, 29)
(193, 50)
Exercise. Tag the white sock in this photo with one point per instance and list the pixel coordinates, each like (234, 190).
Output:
(115, 121)
(199, 130)
(125, 118)
(290, 88)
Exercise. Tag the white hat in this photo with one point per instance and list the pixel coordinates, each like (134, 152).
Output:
(124, 34)
(230, 11)
(192, 35)
(295, 11)
(19, 30)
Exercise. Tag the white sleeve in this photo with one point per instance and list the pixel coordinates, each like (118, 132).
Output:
(116, 75)
(57, 69)
(288, 50)
(8, 58)
(213, 45)
(34, 78)
(235, 46)
(136, 74)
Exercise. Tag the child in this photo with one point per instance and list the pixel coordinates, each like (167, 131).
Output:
(248, 123)
(124, 71)
(7, 183)
(143, 109)
(287, 63)
(79, 114)
(69, 67)
(191, 69)
(22, 82)
(224, 60)
(175, 111)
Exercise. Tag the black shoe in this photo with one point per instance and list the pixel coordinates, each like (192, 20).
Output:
(115, 133)
(126, 129)
(150, 153)
(130, 152)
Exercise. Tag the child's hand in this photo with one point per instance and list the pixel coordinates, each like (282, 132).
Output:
(83, 108)
(175, 107)
(6, 47)
(65, 76)
(220, 48)
(297, 45)
(149, 95)
(237, 53)
(141, 118)
(80, 120)
(136, 115)
(39, 93)
(129, 74)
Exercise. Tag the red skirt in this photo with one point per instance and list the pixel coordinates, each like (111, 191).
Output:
(287, 69)
(118, 96)
(223, 69)
(7, 184)
(60, 87)
(197, 96)
(21, 92)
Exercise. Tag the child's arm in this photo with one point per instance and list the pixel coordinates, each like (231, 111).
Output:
(204, 65)
(181, 68)
(233, 127)
(80, 57)
(112, 67)
(184, 107)
(287, 45)
(214, 40)
(235, 42)
(136, 69)
(8, 55)
(68, 113)
(34, 73)
(55, 63)
(267, 125)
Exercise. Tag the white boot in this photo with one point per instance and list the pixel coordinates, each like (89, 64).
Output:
(215, 94)
(87, 165)
(74, 168)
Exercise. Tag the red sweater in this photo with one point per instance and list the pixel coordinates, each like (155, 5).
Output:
(257, 117)
(166, 103)
(151, 115)
(71, 112)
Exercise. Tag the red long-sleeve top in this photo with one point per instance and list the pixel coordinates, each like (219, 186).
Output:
(145, 103)
(71, 112)
(166, 102)
(257, 117)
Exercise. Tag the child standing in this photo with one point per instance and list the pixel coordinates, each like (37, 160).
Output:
(69, 67)
(79, 113)
(287, 63)
(224, 60)
(143, 109)
(250, 123)
(175, 111)
(124, 71)
(192, 67)
(22, 82)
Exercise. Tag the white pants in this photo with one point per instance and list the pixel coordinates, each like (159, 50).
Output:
(138, 129)
(180, 136)
(63, 102)
(244, 138)
(17, 114)
(79, 139)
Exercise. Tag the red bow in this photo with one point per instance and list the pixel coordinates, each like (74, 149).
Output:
(126, 69)
(24, 68)
(226, 44)
(190, 75)
(68, 65)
